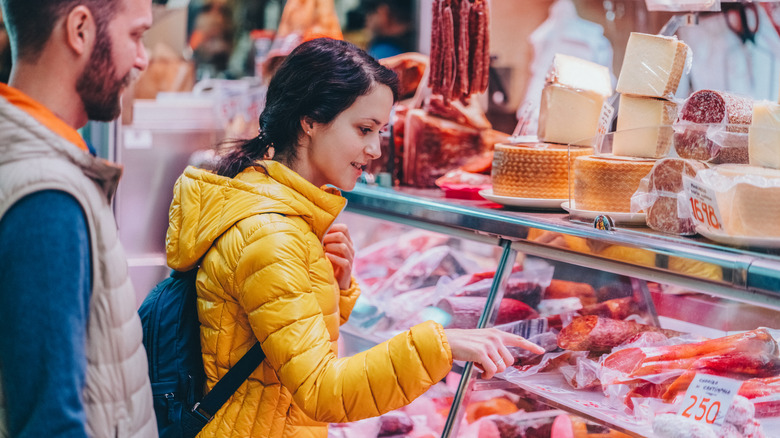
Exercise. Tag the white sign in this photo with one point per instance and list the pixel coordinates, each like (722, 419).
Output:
(703, 204)
(708, 398)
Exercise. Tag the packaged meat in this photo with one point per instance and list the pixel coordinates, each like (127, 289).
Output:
(466, 311)
(596, 334)
(723, 137)
(433, 146)
(395, 423)
(675, 426)
(748, 199)
(618, 308)
(658, 195)
(565, 289)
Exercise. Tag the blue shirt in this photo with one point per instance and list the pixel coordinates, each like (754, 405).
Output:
(45, 286)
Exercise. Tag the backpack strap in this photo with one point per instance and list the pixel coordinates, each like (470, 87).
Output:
(204, 411)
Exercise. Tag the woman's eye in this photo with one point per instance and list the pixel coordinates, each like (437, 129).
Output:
(365, 131)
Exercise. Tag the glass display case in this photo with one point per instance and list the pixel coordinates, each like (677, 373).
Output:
(684, 286)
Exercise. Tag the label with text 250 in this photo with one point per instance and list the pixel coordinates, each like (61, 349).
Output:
(708, 398)
(703, 204)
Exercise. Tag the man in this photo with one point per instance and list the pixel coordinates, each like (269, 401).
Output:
(391, 26)
(71, 359)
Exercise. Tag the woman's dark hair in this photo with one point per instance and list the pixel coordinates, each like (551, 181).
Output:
(319, 79)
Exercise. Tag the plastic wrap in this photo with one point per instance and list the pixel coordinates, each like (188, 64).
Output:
(764, 135)
(748, 199)
(596, 334)
(659, 195)
(653, 65)
(466, 311)
(727, 118)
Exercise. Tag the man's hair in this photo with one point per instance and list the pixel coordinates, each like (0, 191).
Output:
(31, 22)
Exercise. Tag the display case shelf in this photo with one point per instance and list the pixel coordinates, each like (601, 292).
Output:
(747, 275)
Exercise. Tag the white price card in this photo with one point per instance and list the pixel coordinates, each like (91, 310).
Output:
(708, 398)
(703, 204)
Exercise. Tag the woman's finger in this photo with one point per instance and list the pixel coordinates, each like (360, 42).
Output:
(519, 341)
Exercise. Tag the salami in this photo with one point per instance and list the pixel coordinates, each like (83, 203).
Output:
(463, 51)
(448, 47)
(434, 76)
(715, 107)
(484, 26)
(666, 181)
(596, 334)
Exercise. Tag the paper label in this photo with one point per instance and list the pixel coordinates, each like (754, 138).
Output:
(708, 398)
(703, 204)
(605, 119)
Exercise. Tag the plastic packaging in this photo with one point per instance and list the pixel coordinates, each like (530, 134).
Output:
(659, 196)
(747, 197)
(682, 5)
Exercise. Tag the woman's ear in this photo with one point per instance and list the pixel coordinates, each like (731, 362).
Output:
(307, 124)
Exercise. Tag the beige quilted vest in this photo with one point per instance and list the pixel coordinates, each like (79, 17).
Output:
(117, 395)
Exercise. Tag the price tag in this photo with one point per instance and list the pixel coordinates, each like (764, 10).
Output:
(708, 398)
(703, 204)
(605, 118)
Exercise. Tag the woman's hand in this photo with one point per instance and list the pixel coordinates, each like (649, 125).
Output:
(487, 348)
(341, 253)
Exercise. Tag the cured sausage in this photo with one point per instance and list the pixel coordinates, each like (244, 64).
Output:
(463, 51)
(435, 63)
(666, 181)
(484, 27)
(715, 107)
(448, 46)
(596, 334)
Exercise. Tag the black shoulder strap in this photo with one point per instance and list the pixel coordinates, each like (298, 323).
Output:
(228, 384)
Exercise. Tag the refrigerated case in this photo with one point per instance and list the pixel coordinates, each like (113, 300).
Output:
(686, 284)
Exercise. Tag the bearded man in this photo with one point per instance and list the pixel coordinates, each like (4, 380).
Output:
(71, 359)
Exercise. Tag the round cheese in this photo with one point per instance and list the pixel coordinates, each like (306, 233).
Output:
(537, 170)
(606, 184)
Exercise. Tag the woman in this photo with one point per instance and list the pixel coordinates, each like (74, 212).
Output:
(274, 267)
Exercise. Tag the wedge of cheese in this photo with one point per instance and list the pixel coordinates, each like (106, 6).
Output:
(764, 135)
(643, 127)
(568, 115)
(652, 66)
(748, 198)
(573, 72)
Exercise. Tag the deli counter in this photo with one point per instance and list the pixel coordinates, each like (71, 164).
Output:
(687, 285)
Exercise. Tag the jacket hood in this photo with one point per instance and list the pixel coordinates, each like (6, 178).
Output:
(205, 205)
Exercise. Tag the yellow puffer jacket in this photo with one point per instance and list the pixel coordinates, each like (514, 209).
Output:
(264, 275)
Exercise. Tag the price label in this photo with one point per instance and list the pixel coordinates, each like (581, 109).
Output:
(605, 118)
(708, 398)
(703, 204)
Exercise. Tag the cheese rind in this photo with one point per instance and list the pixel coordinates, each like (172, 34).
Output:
(764, 135)
(652, 66)
(579, 74)
(534, 170)
(569, 116)
(653, 117)
(606, 184)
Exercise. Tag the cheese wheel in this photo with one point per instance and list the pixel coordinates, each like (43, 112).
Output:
(606, 184)
(538, 170)
(652, 116)
(652, 65)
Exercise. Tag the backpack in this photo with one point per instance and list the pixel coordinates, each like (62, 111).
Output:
(171, 336)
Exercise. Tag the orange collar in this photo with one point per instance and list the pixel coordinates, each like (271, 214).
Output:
(42, 114)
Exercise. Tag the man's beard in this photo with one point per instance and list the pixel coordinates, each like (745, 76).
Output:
(99, 88)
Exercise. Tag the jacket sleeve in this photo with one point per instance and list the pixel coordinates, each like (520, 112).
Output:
(347, 300)
(273, 285)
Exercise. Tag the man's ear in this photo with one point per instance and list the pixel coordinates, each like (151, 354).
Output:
(80, 30)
